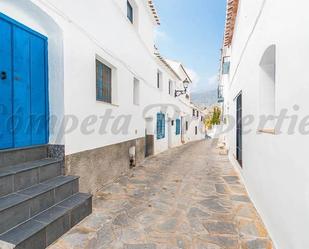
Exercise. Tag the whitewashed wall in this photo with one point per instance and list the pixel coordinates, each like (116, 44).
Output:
(274, 166)
(79, 32)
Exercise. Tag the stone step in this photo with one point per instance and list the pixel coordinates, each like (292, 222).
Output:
(20, 206)
(43, 229)
(21, 176)
(21, 155)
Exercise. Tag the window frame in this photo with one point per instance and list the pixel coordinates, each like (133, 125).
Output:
(159, 79)
(107, 97)
(136, 91)
(170, 88)
(130, 12)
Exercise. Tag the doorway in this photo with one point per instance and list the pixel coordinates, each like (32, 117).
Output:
(170, 132)
(182, 132)
(149, 138)
(239, 129)
(23, 86)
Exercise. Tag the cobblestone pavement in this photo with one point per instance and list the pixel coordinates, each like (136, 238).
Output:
(188, 197)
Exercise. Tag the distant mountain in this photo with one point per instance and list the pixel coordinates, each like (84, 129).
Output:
(206, 98)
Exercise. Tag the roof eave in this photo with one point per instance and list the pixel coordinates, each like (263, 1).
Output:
(160, 57)
(231, 14)
(154, 12)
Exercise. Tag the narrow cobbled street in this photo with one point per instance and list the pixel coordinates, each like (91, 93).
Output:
(188, 197)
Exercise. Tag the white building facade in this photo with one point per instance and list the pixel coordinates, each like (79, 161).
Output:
(107, 89)
(264, 86)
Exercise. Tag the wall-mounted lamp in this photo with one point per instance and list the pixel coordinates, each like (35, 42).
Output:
(185, 86)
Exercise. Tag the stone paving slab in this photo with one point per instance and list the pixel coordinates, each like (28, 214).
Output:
(189, 197)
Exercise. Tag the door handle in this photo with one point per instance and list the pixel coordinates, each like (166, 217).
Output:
(3, 75)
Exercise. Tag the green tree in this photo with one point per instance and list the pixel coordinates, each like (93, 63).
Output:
(213, 119)
(216, 116)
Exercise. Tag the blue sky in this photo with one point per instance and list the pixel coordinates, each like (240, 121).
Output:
(192, 32)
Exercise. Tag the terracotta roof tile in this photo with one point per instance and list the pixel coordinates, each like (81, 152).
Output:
(231, 14)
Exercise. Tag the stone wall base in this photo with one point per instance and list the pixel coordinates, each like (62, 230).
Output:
(104, 165)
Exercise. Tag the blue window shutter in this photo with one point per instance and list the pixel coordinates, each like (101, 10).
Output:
(160, 125)
(99, 81)
(177, 126)
(163, 125)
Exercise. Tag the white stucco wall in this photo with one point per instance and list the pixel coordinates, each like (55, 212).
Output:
(274, 166)
(78, 33)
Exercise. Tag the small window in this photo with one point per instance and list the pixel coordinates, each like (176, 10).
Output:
(226, 65)
(193, 113)
(104, 82)
(187, 125)
(130, 13)
(170, 88)
(136, 92)
(177, 126)
(195, 130)
(197, 113)
(159, 80)
(160, 125)
(172, 122)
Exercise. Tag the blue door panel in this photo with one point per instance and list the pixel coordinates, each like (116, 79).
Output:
(21, 90)
(6, 135)
(24, 89)
(38, 91)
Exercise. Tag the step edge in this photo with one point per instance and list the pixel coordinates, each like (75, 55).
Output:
(68, 177)
(14, 172)
(62, 207)
(32, 197)
(45, 225)
(11, 229)
(24, 148)
(85, 195)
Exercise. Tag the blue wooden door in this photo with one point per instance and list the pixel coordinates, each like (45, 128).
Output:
(26, 103)
(6, 135)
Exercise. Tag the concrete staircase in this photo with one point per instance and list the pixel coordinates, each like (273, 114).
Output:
(37, 203)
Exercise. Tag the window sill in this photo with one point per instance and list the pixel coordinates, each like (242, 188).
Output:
(267, 131)
(106, 103)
